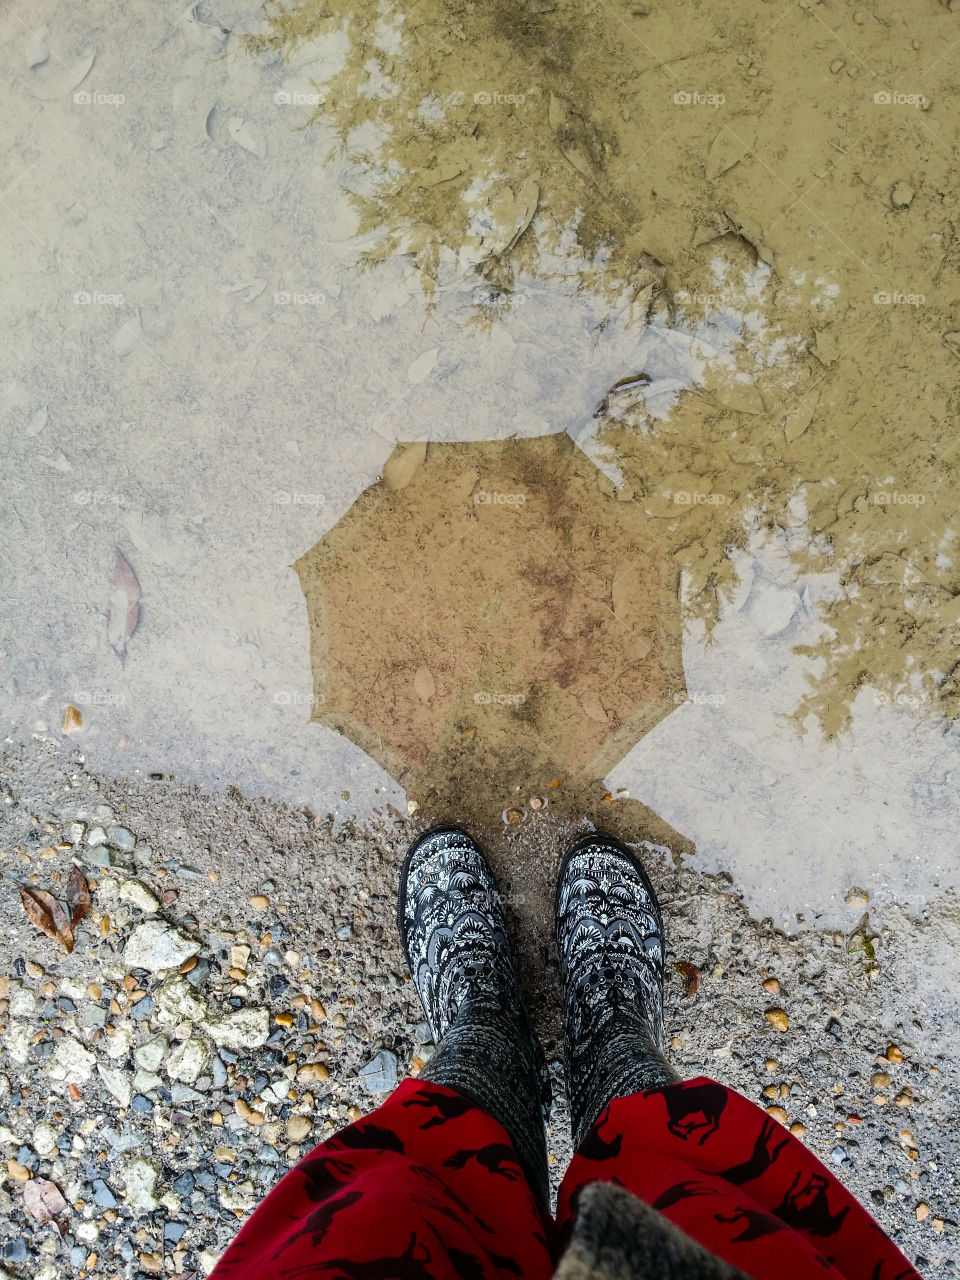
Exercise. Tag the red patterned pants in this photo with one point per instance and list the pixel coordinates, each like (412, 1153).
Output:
(428, 1187)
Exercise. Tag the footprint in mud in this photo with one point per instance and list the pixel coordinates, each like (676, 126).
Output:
(490, 623)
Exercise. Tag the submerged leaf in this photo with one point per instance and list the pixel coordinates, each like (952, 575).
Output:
(78, 895)
(123, 612)
(43, 910)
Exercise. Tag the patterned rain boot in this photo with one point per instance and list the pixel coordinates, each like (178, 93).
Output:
(454, 933)
(610, 943)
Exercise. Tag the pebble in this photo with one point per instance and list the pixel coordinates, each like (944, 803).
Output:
(901, 195)
(259, 902)
(298, 1127)
(96, 836)
(140, 1179)
(923, 1211)
(103, 1197)
(380, 1074)
(149, 1056)
(771, 986)
(246, 1028)
(777, 1018)
(71, 1061)
(44, 1139)
(138, 895)
(158, 946)
(189, 1060)
(123, 839)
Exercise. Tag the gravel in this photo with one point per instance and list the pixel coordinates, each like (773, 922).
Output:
(172, 1068)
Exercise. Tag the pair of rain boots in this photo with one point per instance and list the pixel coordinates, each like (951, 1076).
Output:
(610, 944)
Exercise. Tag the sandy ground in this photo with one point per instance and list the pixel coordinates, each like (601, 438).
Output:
(245, 254)
(126, 1084)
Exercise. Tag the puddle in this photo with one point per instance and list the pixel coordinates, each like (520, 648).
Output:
(715, 309)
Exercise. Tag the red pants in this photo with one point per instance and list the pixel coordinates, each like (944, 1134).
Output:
(428, 1187)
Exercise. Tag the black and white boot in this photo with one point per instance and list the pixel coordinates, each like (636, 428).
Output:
(454, 933)
(610, 944)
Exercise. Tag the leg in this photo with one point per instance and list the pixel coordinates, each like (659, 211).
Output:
(410, 1190)
(454, 934)
(730, 1177)
(610, 942)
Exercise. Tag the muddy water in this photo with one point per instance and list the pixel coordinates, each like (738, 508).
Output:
(494, 626)
(772, 183)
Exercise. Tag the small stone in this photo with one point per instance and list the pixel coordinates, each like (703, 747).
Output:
(923, 1211)
(894, 1054)
(770, 1064)
(412, 807)
(353, 1114)
(856, 898)
(18, 1172)
(903, 1099)
(317, 1011)
(96, 836)
(243, 1029)
(771, 986)
(140, 1179)
(298, 1127)
(118, 1082)
(777, 1113)
(188, 1060)
(778, 1019)
(901, 195)
(71, 1061)
(139, 896)
(73, 831)
(838, 1155)
(284, 1019)
(380, 1074)
(880, 1080)
(837, 65)
(513, 816)
(102, 1195)
(44, 1139)
(239, 957)
(157, 946)
(798, 1129)
(150, 1056)
(259, 902)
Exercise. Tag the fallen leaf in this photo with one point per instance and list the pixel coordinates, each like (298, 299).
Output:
(692, 975)
(78, 895)
(43, 1201)
(123, 612)
(797, 419)
(43, 910)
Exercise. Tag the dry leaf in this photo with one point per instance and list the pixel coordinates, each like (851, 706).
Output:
(78, 895)
(692, 975)
(43, 1201)
(43, 910)
(592, 706)
(123, 612)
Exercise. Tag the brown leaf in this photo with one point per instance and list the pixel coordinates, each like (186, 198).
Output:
(123, 612)
(78, 895)
(43, 1201)
(43, 910)
(692, 975)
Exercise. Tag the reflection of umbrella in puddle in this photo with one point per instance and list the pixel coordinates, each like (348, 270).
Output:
(488, 619)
